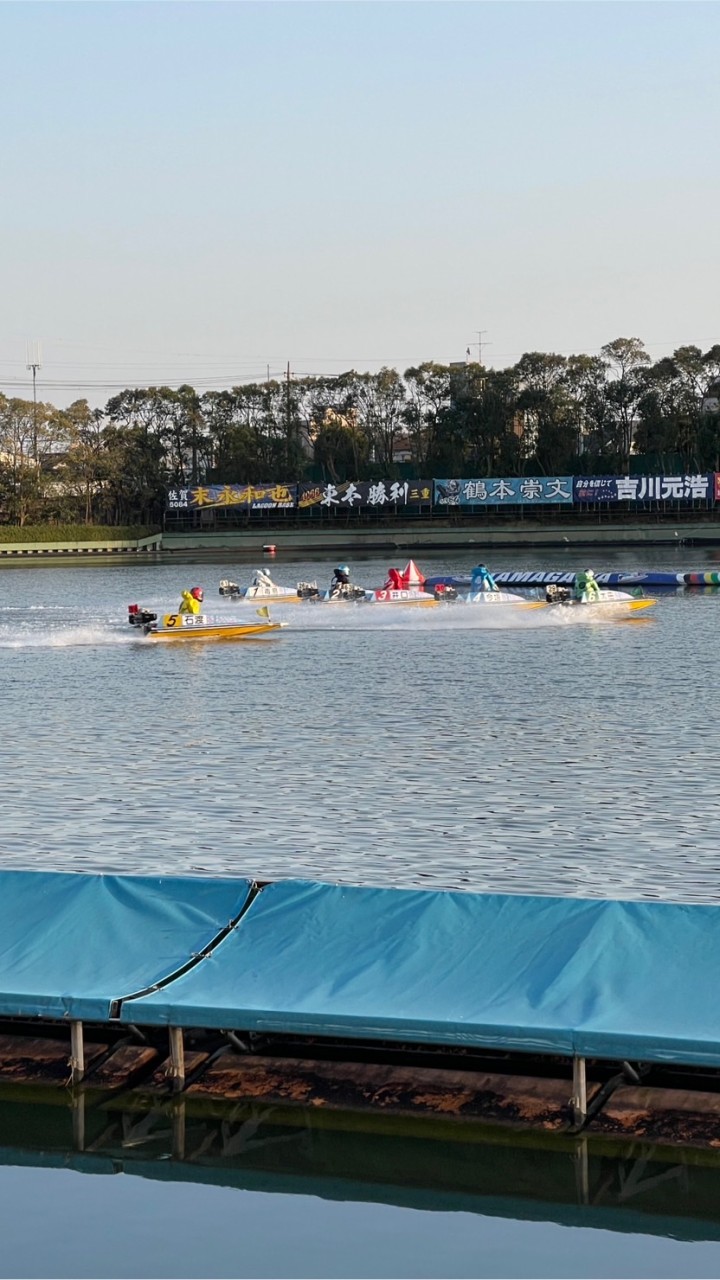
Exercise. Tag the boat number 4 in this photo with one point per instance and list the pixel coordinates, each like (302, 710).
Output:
(176, 620)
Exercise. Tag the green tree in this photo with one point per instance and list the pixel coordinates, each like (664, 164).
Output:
(627, 359)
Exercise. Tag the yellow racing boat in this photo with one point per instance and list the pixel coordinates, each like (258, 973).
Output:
(196, 626)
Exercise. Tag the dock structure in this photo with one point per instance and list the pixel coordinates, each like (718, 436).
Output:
(585, 1016)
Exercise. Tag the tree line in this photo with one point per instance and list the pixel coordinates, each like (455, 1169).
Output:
(547, 414)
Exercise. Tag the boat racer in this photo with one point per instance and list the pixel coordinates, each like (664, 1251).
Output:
(191, 600)
(481, 579)
(591, 594)
(580, 584)
(340, 578)
(394, 581)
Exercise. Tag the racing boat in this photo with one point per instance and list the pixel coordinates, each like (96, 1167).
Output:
(195, 626)
(609, 601)
(262, 590)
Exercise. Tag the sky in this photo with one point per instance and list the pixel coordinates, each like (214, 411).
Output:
(202, 192)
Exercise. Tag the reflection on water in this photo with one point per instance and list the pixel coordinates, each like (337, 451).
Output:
(432, 1165)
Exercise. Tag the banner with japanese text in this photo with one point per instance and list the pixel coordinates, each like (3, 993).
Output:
(595, 489)
(365, 493)
(644, 488)
(254, 497)
(507, 491)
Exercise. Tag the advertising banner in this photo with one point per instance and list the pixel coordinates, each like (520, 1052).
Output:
(717, 486)
(664, 488)
(508, 491)
(642, 488)
(257, 497)
(365, 493)
(595, 489)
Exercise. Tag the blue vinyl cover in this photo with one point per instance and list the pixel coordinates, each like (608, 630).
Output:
(71, 944)
(553, 975)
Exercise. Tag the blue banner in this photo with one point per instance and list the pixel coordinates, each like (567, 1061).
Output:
(595, 489)
(507, 491)
(642, 488)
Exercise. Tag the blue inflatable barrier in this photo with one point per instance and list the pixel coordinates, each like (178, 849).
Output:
(619, 581)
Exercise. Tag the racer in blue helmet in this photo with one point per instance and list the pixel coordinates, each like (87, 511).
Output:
(340, 578)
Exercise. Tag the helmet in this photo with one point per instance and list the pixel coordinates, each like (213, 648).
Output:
(589, 574)
(197, 593)
(342, 568)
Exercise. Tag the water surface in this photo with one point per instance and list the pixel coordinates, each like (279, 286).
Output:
(498, 750)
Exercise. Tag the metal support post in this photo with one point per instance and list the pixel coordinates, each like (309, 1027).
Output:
(77, 1053)
(579, 1094)
(177, 1059)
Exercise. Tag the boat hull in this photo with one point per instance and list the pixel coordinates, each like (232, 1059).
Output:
(212, 632)
(601, 608)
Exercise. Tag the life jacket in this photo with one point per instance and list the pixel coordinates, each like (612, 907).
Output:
(189, 604)
(482, 580)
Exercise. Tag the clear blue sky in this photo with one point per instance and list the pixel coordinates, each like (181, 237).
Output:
(194, 191)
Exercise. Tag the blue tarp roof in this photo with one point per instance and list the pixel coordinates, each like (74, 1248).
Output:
(555, 975)
(71, 945)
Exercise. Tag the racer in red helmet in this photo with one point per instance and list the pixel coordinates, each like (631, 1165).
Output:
(191, 600)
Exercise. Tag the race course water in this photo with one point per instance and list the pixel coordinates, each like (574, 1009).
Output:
(487, 748)
(490, 748)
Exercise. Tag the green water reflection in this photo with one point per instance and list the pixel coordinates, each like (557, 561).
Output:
(424, 1164)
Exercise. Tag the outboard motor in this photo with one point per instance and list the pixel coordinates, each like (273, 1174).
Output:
(444, 591)
(138, 617)
(308, 591)
(228, 588)
(556, 595)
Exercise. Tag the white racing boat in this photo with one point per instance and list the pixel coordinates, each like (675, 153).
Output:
(607, 602)
(262, 590)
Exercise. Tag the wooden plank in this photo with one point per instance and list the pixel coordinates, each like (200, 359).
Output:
(160, 1081)
(124, 1068)
(517, 1100)
(684, 1116)
(33, 1059)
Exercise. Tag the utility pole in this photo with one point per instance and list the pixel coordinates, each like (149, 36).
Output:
(33, 363)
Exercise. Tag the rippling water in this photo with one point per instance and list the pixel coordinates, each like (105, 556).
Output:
(461, 748)
(480, 749)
